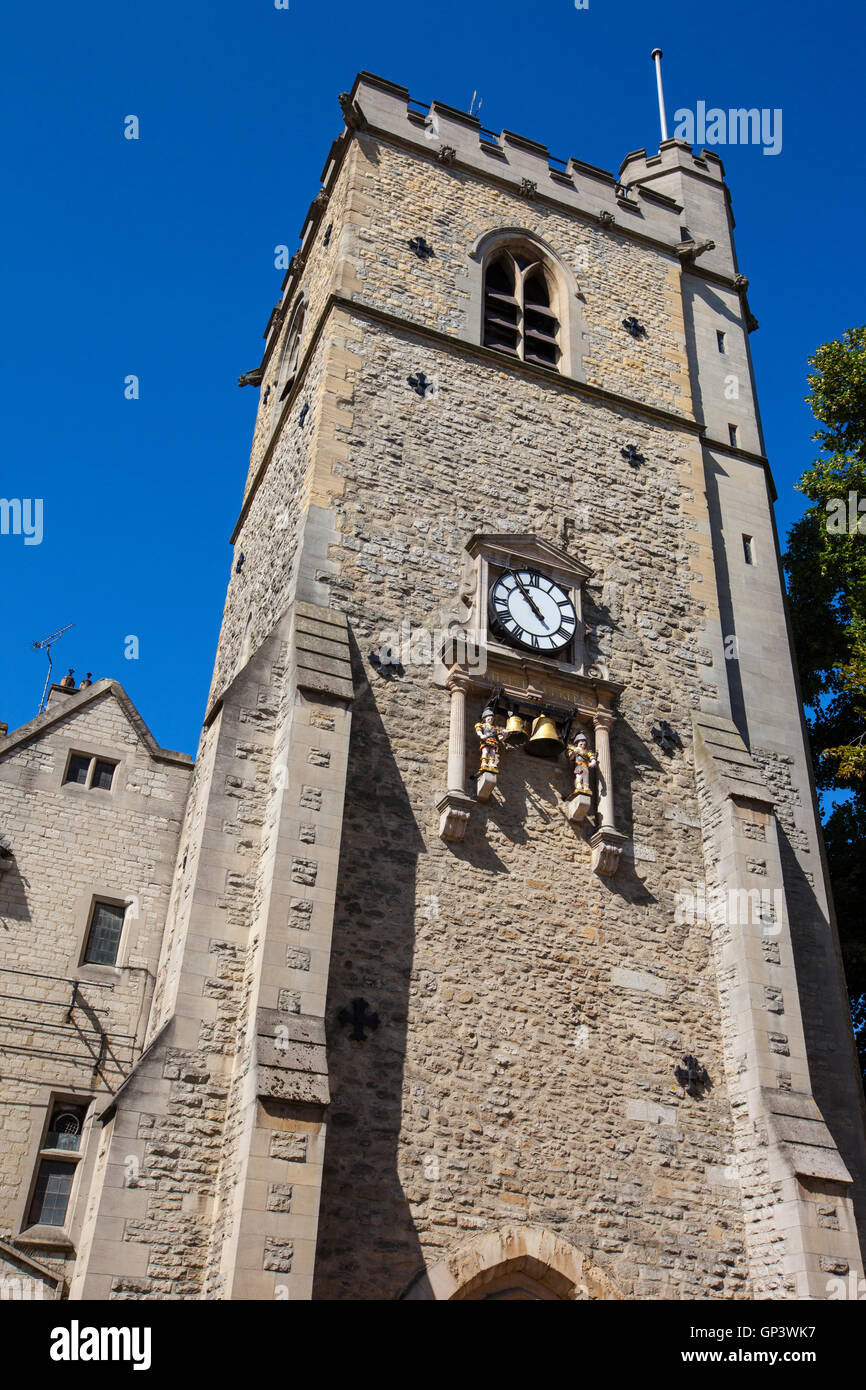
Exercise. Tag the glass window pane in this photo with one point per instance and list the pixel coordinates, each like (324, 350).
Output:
(106, 925)
(51, 1195)
(78, 769)
(103, 775)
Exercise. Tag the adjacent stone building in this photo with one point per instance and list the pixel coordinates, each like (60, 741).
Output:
(371, 1019)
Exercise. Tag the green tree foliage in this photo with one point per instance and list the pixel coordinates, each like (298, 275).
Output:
(826, 568)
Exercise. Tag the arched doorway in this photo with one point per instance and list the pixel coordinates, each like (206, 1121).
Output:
(515, 1264)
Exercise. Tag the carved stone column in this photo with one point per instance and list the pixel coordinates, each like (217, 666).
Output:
(454, 806)
(607, 842)
(602, 721)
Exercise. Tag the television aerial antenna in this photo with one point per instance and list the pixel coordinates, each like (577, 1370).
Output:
(45, 646)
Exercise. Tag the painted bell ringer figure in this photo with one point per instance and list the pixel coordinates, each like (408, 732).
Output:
(583, 760)
(492, 738)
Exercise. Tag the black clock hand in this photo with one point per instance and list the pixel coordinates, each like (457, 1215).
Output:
(526, 594)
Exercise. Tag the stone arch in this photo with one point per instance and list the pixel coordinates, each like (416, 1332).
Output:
(514, 1262)
(488, 245)
(290, 356)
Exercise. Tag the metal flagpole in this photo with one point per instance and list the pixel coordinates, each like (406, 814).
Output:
(657, 59)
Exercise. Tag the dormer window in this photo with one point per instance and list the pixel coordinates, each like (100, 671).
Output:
(519, 312)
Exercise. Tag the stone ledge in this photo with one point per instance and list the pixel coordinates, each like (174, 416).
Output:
(806, 1143)
(291, 1057)
(730, 759)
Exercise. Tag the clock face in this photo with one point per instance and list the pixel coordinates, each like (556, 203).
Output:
(531, 611)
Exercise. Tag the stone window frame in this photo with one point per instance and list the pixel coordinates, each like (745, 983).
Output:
(290, 357)
(81, 969)
(39, 1153)
(97, 752)
(567, 295)
(94, 759)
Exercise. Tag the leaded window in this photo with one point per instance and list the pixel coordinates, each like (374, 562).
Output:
(103, 938)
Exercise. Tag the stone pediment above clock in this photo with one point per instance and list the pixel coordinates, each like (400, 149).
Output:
(526, 548)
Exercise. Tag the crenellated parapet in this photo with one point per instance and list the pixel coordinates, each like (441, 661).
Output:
(637, 202)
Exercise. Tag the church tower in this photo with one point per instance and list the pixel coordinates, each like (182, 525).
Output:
(499, 960)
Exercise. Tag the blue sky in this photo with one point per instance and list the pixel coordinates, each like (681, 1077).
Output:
(156, 258)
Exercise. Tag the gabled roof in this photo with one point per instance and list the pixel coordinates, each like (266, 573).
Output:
(73, 702)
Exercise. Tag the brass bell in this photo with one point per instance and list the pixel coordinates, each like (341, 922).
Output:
(544, 741)
(516, 732)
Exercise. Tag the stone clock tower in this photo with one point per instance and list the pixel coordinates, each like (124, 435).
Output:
(499, 960)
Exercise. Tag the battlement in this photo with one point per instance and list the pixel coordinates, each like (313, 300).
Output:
(637, 202)
(665, 200)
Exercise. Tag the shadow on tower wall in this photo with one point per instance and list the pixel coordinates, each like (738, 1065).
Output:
(367, 1246)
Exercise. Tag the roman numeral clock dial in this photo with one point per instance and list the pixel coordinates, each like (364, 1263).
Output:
(531, 611)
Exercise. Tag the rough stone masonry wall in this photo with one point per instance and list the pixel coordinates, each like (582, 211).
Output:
(180, 904)
(760, 1194)
(323, 272)
(269, 541)
(531, 1013)
(260, 752)
(180, 1119)
(400, 196)
(70, 843)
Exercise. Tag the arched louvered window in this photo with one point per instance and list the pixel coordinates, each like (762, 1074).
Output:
(519, 315)
(291, 357)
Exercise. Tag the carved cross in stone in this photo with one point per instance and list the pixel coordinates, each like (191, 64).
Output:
(666, 737)
(691, 1075)
(360, 1018)
(422, 248)
(419, 383)
(633, 454)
